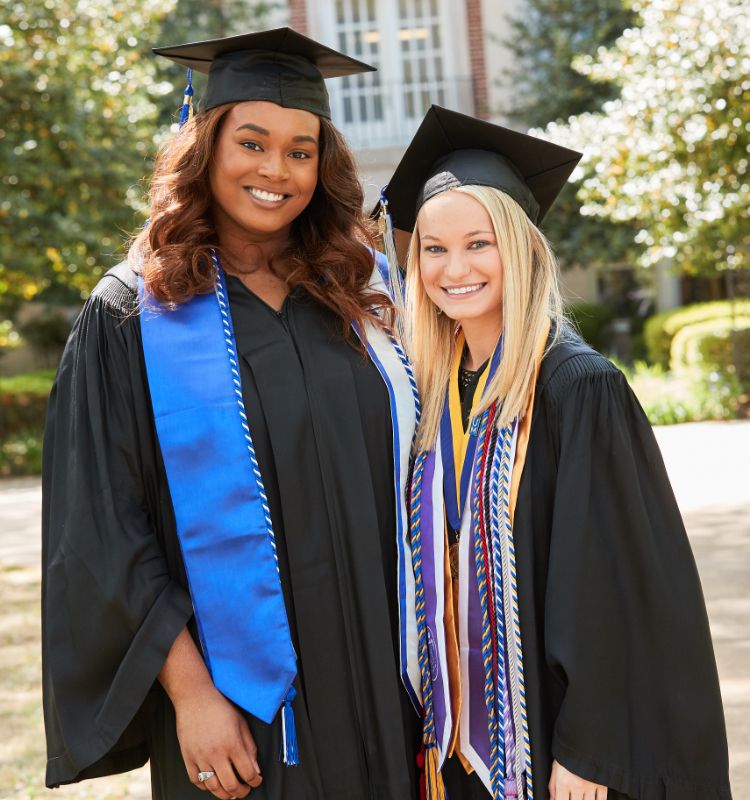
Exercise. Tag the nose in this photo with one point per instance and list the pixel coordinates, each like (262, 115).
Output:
(457, 267)
(273, 167)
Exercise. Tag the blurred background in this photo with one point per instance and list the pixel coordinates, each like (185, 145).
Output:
(652, 233)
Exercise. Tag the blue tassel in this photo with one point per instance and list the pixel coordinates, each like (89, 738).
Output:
(186, 111)
(288, 754)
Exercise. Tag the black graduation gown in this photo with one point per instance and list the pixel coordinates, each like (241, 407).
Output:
(621, 682)
(115, 592)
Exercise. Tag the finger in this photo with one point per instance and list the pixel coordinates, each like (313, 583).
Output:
(601, 793)
(214, 786)
(230, 782)
(192, 770)
(250, 747)
(246, 767)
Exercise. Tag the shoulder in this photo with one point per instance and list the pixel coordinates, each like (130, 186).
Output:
(568, 362)
(117, 291)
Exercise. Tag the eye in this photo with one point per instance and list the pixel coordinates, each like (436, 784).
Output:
(300, 155)
(434, 248)
(478, 245)
(252, 146)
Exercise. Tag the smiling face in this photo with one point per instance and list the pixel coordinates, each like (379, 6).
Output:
(459, 261)
(264, 169)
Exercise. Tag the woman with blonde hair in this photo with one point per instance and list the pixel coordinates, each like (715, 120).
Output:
(563, 644)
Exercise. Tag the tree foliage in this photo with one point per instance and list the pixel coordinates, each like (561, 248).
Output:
(671, 153)
(78, 105)
(545, 40)
(83, 104)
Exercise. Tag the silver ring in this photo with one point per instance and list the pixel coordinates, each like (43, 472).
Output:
(204, 776)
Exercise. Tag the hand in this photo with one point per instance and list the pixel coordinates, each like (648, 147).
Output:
(564, 785)
(214, 736)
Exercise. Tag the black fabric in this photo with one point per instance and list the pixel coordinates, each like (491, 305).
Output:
(281, 66)
(453, 149)
(115, 591)
(479, 168)
(621, 683)
(621, 680)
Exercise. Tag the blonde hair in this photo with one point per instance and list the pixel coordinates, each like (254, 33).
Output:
(531, 299)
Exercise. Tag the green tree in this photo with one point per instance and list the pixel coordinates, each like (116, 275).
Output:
(545, 40)
(78, 105)
(671, 153)
(82, 104)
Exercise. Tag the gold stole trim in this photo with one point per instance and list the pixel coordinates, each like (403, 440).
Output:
(451, 584)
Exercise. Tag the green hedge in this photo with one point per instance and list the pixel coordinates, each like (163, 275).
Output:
(661, 328)
(23, 408)
(713, 345)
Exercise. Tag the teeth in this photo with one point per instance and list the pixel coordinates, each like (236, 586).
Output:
(465, 289)
(261, 195)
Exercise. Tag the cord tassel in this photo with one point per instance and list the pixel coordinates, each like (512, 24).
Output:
(186, 111)
(395, 278)
(289, 754)
(433, 778)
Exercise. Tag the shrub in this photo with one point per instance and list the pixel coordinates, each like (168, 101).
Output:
(23, 408)
(660, 329)
(592, 321)
(21, 454)
(709, 345)
(685, 396)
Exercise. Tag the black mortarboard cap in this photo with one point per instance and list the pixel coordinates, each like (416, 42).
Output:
(281, 66)
(451, 149)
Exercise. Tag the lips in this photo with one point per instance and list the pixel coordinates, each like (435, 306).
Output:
(460, 291)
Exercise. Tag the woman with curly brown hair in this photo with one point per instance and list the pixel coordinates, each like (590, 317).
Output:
(225, 463)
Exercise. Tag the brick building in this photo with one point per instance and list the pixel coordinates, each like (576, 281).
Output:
(427, 51)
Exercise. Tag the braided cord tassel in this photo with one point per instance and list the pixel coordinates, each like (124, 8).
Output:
(515, 653)
(497, 585)
(434, 788)
(487, 633)
(186, 110)
(289, 750)
(409, 372)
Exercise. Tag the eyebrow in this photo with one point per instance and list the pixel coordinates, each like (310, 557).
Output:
(263, 132)
(467, 236)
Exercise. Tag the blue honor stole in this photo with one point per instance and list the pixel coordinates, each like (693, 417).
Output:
(223, 521)
(221, 511)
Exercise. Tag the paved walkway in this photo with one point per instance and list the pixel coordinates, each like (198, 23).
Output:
(709, 464)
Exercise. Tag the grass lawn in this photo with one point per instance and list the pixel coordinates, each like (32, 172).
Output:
(22, 748)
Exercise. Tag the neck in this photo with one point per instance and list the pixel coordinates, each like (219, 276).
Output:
(249, 252)
(481, 337)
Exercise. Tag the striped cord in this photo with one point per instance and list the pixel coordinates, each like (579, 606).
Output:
(409, 372)
(515, 653)
(504, 711)
(221, 296)
(430, 738)
(487, 633)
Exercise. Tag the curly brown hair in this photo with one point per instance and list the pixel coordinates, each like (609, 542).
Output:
(328, 253)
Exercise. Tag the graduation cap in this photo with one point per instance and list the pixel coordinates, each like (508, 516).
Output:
(452, 149)
(281, 66)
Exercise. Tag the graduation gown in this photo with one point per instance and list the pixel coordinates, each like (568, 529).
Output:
(115, 592)
(620, 678)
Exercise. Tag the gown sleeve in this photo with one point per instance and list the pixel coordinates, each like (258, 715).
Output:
(626, 626)
(110, 610)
